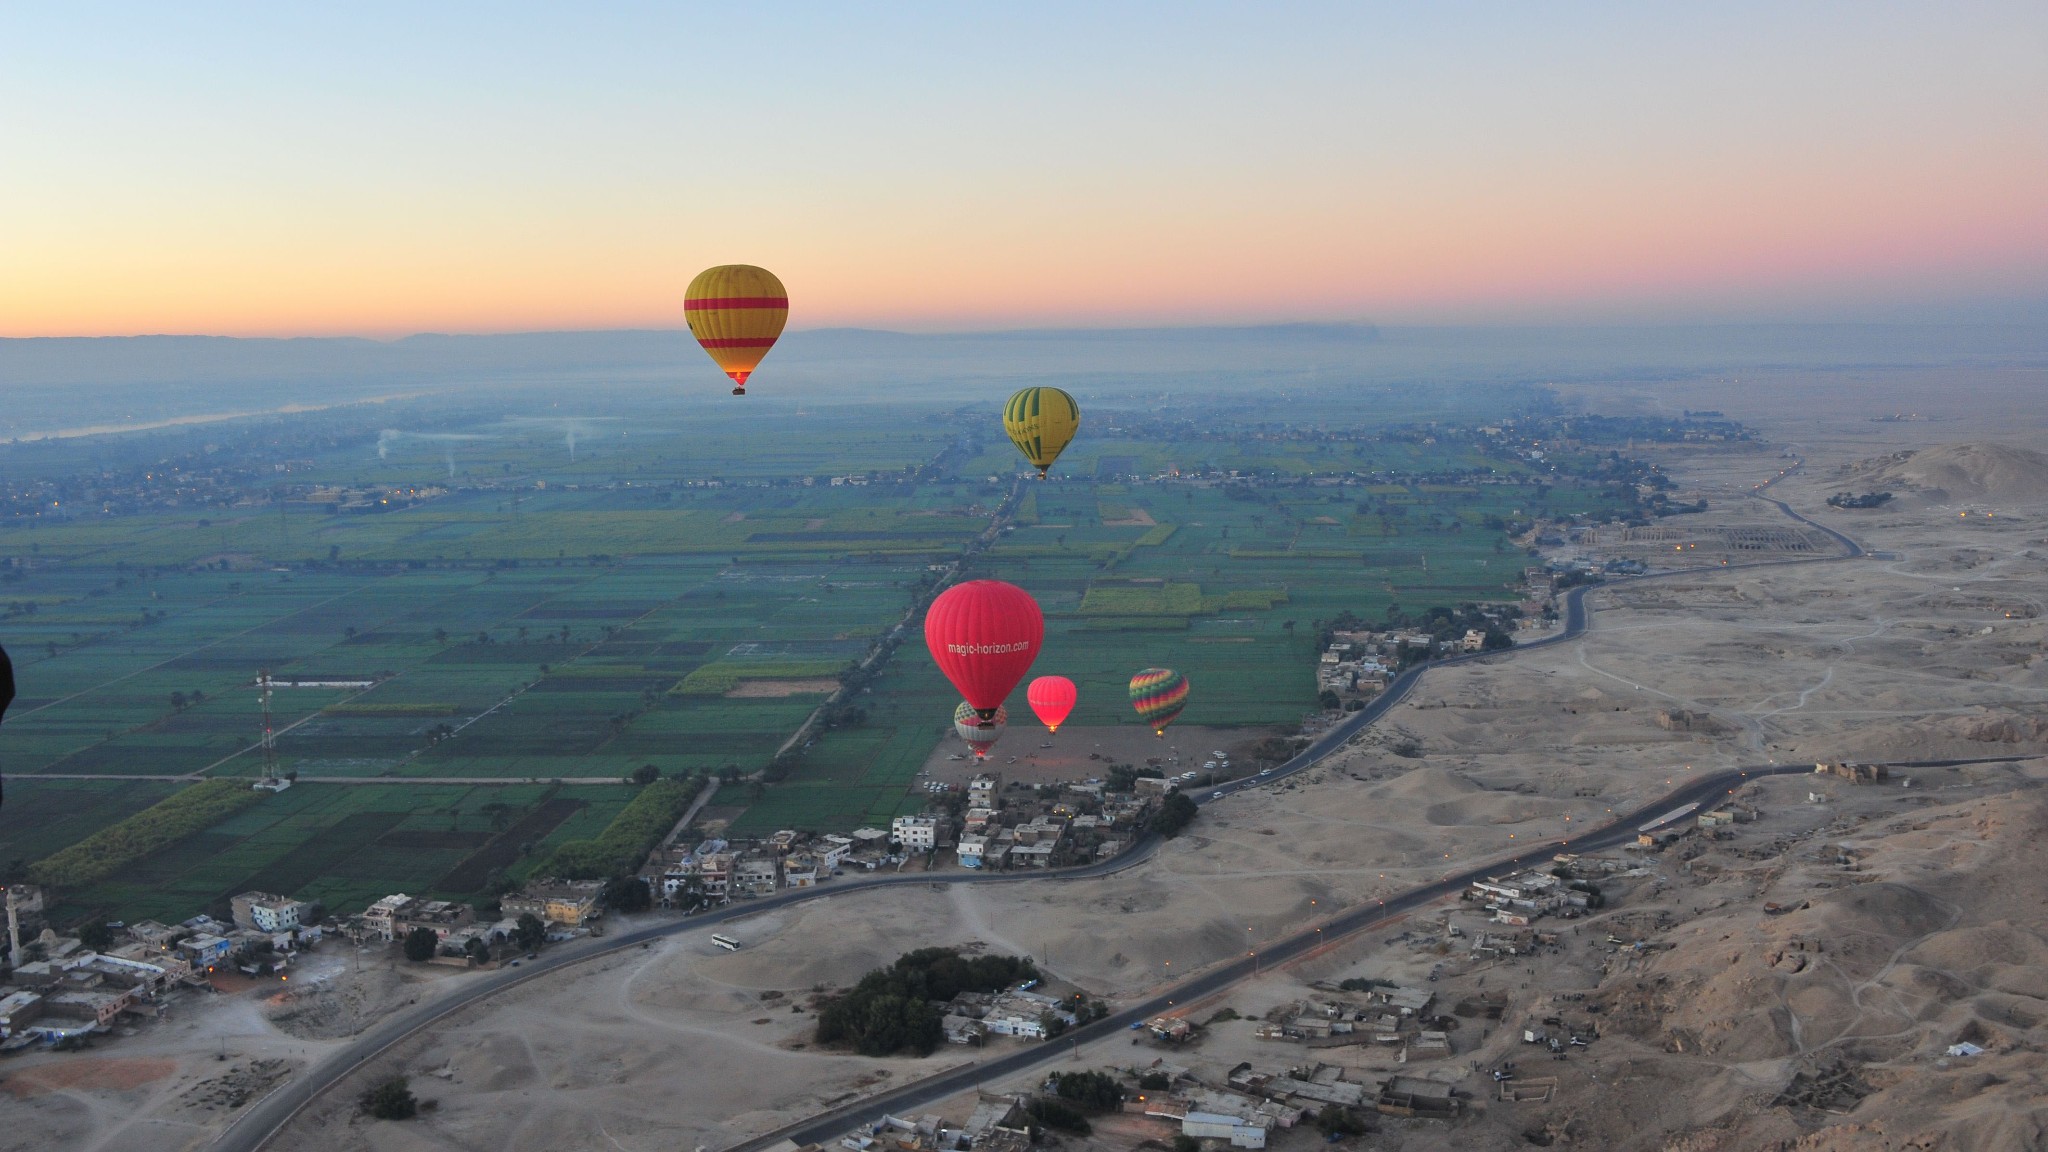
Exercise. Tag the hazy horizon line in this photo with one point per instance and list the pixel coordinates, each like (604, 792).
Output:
(1334, 326)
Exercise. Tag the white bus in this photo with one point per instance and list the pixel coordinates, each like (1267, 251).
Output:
(725, 942)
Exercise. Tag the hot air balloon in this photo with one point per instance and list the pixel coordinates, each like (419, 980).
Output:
(6, 688)
(981, 735)
(1041, 422)
(1052, 697)
(1159, 694)
(736, 311)
(983, 635)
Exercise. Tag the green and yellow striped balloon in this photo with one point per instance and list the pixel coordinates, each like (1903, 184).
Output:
(1041, 422)
(1159, 694)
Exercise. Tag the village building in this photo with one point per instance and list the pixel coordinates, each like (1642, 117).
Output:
(266, 912)
(441, 916)
(1413, 1096)
(381, 918)
(971, 848)
(982, 791)
(800, 871)
(153, 934)
(1237, 1130)
(203, 950)
(918, 833)
(19, 1007)
(569, 903)
(754, 874)
(831, 851)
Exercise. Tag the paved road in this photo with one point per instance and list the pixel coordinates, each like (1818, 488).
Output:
(255, 1127)
(1353, 920)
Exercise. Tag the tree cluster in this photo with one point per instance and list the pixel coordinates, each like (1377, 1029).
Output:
(529, 933)
(1173, 815)
(892, 1009)
(625, 841)
(156, 827)
(626, 894)
(1052, 1112)
(421, 943)
(391, 1100)
(1125, 777)
(1092, 1091)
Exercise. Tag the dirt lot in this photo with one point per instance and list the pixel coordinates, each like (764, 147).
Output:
(1079, 753)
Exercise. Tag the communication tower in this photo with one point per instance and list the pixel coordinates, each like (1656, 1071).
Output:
(269, 734)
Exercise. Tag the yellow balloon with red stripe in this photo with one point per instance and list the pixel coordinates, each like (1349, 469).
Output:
(736, 311)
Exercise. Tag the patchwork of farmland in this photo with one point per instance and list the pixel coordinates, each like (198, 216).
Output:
(546, 606)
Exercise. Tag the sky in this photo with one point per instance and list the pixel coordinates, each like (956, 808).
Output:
(389, 169)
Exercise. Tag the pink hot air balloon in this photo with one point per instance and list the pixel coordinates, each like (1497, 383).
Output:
(1052, 698)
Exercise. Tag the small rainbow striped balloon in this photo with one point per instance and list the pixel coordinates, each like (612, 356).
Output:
(1159, 694)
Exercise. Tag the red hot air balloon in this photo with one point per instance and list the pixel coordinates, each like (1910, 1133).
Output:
(1052, 697)
(983, 635)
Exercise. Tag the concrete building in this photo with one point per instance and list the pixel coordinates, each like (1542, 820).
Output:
(915, 833)
(266, 912)
(1412, 1096)
(714, 873)
(963, 1029)
(205, 950)
(381, 918)
(982, 790)
(1037, 855)
(971, 849)
(800, 871)
(150, 977)
(1240, 1132)
(443, 916)
(565, 902)
(153, 934)
(831, 851)
(100, 1007)
(18, 1008)
(754, 874)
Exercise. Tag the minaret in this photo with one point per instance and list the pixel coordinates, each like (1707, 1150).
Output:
(13, 931)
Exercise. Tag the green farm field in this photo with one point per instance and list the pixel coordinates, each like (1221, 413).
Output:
(533, 610)
(342, 845)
